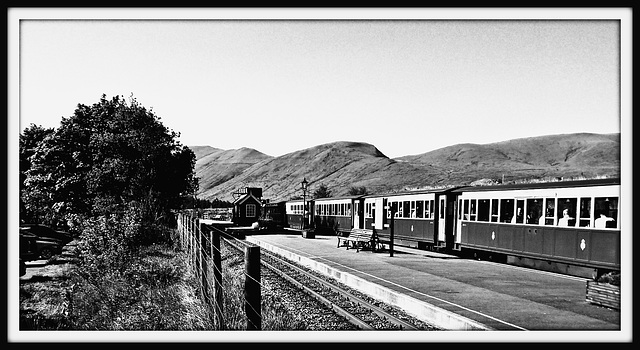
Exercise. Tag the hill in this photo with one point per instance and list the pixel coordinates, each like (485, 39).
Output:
(214, 167)
(342, 165)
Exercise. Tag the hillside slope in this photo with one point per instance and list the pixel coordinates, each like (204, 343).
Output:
(342, 165)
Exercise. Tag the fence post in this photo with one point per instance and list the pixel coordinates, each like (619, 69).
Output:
(204, 263)
(192, 256)
(252, 287)
(197, 249)
(214, 236)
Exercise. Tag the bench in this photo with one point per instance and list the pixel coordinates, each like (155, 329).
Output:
(358, 238)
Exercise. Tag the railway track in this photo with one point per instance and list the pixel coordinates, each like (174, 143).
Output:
(359, 310)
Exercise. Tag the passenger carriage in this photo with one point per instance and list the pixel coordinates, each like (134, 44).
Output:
(294, 211)
(419, 217)
(337, 215)
(525, 222)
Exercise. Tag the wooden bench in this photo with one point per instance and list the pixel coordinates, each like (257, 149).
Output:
(358, 238)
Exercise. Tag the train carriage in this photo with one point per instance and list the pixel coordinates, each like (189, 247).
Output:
(294, 211)
(566, 226)
(339, 214)
(273, 215)
(419, 217)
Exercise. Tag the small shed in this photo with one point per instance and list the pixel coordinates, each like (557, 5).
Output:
(247, 208)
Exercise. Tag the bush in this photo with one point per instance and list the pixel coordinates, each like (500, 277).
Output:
(156, 292)
(611, 278)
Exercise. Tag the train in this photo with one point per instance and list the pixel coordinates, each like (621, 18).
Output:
(570, 227)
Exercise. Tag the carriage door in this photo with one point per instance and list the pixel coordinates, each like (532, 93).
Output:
(379, 214)
(356, 214)
(442, 218)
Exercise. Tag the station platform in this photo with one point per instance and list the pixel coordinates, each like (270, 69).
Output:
(459, 294)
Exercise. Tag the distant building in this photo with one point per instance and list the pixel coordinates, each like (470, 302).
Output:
(247, 208)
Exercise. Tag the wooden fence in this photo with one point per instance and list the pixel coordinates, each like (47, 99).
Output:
(201, 242)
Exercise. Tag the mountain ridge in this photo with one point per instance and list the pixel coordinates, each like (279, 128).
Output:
(342, 165)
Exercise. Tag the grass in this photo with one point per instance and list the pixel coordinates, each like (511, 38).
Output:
(158, 292)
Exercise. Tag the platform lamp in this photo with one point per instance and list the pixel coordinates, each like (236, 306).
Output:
(304, 184)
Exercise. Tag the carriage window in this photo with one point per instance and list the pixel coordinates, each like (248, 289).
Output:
(442, 209)
(394, 207)
(534, 211)
(506, 210)
(433, 208)
(385, 204)
(466, 209)
(519, 217)
(413, 209)
(472, 210)
(405, 209)
(606, 210)
(585, 212)
(483, 210)
(419, 209)
(373, 210)
(349, 209)
(549, 211)
(494, 210)
(567, 211)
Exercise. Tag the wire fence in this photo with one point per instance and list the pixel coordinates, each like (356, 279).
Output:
(229, 295)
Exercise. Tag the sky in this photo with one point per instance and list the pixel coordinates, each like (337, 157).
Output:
(408, 82)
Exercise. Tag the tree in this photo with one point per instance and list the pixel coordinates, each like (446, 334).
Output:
(358, 191)
(102, 159)
(322, 192)
(29, 140)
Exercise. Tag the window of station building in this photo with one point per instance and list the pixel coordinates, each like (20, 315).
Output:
(251, 210)
(584, 220)
(534, 211)
(466, 210)
(606, 210)
(406, 209)
(420, 209)
(494, 210)
(549, 211)
(506, 210)
(472, 210)
(567, 211)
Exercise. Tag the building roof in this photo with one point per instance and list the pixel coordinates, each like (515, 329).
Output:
(244, 198)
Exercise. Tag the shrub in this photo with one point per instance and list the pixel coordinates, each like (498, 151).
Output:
(611, 278)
